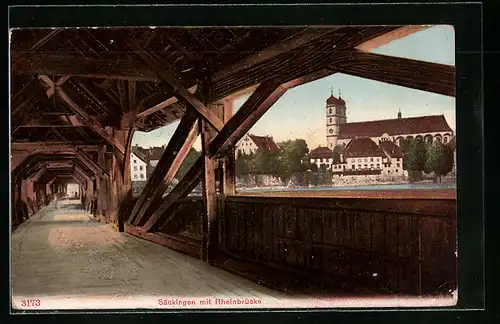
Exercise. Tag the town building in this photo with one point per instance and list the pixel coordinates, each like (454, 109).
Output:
(321, 156)
(362, 156)
(249, 144)
(138, 165)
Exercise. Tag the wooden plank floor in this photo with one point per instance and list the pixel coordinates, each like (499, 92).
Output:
(66, 260)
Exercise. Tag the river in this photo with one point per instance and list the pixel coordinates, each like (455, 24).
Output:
(399, 186)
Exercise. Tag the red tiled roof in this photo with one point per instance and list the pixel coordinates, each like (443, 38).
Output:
(265, 143)
(412, 125)
(321, 152)
(391, 149)
(362, 147)
(335, 101)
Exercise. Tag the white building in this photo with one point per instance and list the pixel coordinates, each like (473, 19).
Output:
(137, 167)
(249, 143)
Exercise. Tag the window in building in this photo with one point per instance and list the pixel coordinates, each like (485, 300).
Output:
(142, 176)
(135, 176)
(140, 167)
(135, 168)
(388, 171)
(359, 166)
(330, 111)
(330, 120)
(366, 165)
(353, 167)
(371, 159)
(366, 159)
(371, 165)
(445, 140)
(396, 170)
(135, 161)
(397, 164)
(378, 166)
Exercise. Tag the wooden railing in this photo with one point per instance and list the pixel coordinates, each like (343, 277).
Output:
(399, 245)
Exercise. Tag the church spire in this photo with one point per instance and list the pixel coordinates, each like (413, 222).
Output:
(331, 91)
(399, 113)
(339, 94)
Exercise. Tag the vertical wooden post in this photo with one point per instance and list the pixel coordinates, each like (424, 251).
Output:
(227, 179)
(123, 182)
(210, 221)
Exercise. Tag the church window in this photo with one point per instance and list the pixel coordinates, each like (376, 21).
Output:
(330, 120)
(445, 140)
(330, 111)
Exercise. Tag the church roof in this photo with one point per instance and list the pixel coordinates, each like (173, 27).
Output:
(399, 126)
(362, 147)
(265, 142)
(321, 152)
(335, 101)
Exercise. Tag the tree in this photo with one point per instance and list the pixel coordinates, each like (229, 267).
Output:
(439, 159)
(337, 150)
(242, 164)
(290, 158)
(188, 162)
(415, 155)
(264, 162)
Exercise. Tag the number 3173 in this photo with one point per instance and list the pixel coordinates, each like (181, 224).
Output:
(30, 302)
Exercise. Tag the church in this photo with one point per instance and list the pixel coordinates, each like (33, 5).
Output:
(366, 143)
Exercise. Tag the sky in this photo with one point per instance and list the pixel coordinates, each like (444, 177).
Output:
(300, 113)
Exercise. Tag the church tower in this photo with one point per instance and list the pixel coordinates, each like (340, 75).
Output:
(335, 115)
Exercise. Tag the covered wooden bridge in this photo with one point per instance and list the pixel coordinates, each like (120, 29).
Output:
(79, 94)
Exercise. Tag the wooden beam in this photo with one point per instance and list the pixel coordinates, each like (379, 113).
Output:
(62, 65)
(132, 95)
(391, 36)
(256, 105)
(35, 94)
(289, 44)
(51, 146)
(167, 166)
(155, 198)
(91, 163)
(143, 109)
(420, 75)
(180, 91)
(184, 187)
(99, 95)
(88, 119)
(15, 55)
